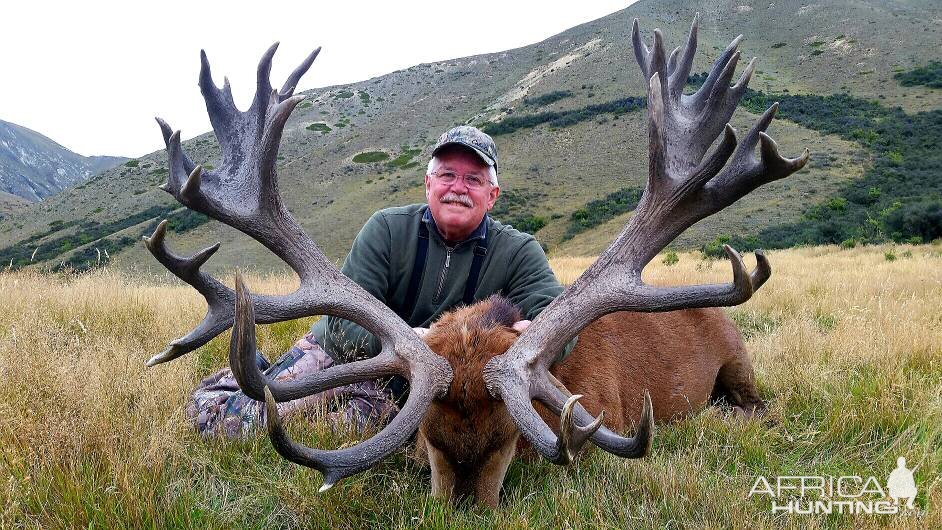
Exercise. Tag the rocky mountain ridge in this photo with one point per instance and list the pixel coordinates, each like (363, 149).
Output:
(35, 167)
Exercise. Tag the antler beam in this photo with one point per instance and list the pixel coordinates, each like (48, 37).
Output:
(243, 193)
(685, 183)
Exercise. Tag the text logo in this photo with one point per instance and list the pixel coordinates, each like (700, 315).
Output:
(846, 494)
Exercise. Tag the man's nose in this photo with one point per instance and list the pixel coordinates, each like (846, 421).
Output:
(459, 184)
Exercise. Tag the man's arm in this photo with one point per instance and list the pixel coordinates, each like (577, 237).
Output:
(367, 264)
(532, 286)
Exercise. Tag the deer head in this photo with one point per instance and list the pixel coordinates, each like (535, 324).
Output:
(685, 184)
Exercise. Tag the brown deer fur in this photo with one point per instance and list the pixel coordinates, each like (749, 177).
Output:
(683, 358)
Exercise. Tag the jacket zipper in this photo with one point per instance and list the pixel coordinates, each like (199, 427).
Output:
(441, 279)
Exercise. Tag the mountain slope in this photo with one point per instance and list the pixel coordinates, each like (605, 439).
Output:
(551, 170)
(35, 167)
(10, 204)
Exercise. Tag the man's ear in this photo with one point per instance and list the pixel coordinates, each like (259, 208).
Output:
(428, 187)
(492, 197)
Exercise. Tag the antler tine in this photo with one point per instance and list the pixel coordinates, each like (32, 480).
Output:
(746, 172)
(702, 96)
(219, 103)
(556, 396)
(263, 91)
(657, 152)
(270, 142)
(175, 156)
(291, 84)
(571, 436)
(217, 295)
(576, 424)
(658, 66)
(678, 76)
(517, 398)
(640, 48)
(721, 103)
(187, 267)
(739, 88)
(685, 184)
(672, 61)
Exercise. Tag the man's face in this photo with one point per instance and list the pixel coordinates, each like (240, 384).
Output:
(458, 207)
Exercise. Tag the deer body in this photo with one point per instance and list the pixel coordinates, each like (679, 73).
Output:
(681, 358)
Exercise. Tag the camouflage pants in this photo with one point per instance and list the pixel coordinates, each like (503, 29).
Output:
(219, 408)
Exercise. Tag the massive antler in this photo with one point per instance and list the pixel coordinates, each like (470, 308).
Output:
(685, 184)
(243, 193)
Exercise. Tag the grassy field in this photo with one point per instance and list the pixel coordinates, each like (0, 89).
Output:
(847, 346)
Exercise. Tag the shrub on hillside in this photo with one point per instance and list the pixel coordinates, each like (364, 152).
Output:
(320, 127)
(547, 99)
(530, 224)
(929, 75)
(599, 211)
(370, 157)
(563, 118)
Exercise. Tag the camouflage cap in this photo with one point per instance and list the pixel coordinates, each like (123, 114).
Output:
(473, 138)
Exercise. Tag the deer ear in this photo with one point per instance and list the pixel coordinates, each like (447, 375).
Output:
(501, 311)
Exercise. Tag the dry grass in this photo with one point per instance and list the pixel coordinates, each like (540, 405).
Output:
(848, 349)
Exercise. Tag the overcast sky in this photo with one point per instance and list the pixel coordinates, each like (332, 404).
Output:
(92, 75)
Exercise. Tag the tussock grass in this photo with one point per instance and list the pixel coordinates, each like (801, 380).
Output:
(847, 348)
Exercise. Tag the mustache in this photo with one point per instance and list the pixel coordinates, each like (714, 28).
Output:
(454, 197)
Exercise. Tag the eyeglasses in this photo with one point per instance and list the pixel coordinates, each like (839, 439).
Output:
(471, 181)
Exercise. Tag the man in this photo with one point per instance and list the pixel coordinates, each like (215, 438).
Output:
(420, 260)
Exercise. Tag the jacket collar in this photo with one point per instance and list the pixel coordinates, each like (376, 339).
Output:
(479, 233)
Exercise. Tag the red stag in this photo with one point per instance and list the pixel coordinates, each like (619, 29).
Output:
(641, 348)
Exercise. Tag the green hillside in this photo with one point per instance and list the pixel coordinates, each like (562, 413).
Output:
(854, 79)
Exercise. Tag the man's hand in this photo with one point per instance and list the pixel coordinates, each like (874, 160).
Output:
(521, 325)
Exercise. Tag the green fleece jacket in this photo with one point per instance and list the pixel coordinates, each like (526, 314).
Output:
(382, 258)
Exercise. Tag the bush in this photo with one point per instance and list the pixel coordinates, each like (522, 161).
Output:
(920, 220)
(714, 249)
(670, 258)
(599, 211)
(320, 127)
(370, 157)
(929, 75)
(547, 99)
(185, 220)
(530, 224)
(564, 118)
(837, 204)
(404, 159)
